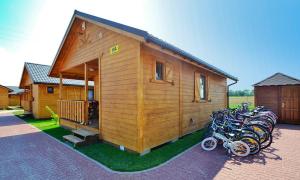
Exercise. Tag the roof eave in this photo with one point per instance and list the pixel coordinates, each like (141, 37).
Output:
(142, 36)
(61, 45)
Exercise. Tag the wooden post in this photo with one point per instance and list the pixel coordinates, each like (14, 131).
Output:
(59, 109)
(140, 104)
(86, 92)
(180, 99)
(60, 86)
(100, 94)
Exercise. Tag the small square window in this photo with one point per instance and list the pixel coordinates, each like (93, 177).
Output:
(159, 71)
(50, 90)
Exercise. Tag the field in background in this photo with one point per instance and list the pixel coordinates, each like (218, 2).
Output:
(235, 101)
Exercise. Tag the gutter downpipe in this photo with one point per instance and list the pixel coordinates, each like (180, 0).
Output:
(235, 81)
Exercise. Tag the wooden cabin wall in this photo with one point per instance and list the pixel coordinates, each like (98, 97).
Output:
(26, 100)
(196, 114)
(162, 121)
(42, 98)
(96, 88)
(119, 90)
(35, 100)
(3, 98)
(268, 96)
(14, 100)
(118, 78)
(26, 80)
(161, 101)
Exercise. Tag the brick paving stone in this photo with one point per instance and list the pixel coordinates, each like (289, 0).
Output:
(27, 153)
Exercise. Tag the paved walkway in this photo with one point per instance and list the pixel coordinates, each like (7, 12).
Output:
(27, 153)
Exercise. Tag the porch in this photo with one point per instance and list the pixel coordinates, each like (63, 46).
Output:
(26, 99)
(81, 113)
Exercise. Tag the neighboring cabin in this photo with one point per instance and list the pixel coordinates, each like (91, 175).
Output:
(41, 91)
(280, 93)
(149, 92)
(14, 97)
(4, 102)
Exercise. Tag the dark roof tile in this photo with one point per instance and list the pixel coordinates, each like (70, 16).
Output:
(15, 90)
(39, 75)
(278, 79)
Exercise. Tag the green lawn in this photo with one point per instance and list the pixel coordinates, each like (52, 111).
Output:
(235, 101)
(118, 160)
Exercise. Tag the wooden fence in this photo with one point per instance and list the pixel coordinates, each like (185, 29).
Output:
(72, 110)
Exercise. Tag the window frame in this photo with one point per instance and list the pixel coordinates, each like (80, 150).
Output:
(205, 88)
(163, 70)
(206, 93)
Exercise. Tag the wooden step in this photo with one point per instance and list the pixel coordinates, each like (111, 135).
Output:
(73, 139)
(84, 133)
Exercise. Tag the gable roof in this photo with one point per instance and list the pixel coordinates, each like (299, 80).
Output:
(146, 37)
(9, 90)
(15, 90)
(39, 75)
(278, 79)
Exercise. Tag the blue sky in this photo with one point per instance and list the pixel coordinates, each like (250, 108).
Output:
(249, 39)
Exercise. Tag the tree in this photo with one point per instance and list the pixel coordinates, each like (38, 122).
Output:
(245, 92)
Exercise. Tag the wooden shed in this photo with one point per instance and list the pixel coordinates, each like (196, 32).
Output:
(4, 96)
(280, 93)
(40, 90)
(149, 91)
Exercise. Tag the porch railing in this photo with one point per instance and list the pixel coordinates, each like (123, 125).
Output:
(72, 110)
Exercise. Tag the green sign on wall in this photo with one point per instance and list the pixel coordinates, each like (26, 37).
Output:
(114, 50)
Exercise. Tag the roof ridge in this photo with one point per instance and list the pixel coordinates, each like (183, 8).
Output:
(265, 79)
(289, 76)
(274, 75)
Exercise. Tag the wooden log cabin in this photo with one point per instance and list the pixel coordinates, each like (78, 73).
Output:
(4, 102)
(149, 92)
(14, 97)
(281, 94)
(40, 90)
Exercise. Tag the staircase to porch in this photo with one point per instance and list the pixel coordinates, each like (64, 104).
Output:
(81, 137)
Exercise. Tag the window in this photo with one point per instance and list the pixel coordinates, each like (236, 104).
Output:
(202, 87)
(50, 90)
(159, 71)
(91, 95)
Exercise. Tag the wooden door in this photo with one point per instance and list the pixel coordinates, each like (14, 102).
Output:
(268, 96)
(290, 104)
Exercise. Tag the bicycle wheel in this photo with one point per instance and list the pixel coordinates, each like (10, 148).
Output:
(261, 130)
(250, 132)
(253, 144)
(209, 144)
(240, 148)
(267, 143)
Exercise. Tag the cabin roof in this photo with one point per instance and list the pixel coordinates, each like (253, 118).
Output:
(278, 79)
(15, 90)
(9, 90)
(39, 75)
(148, 38)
